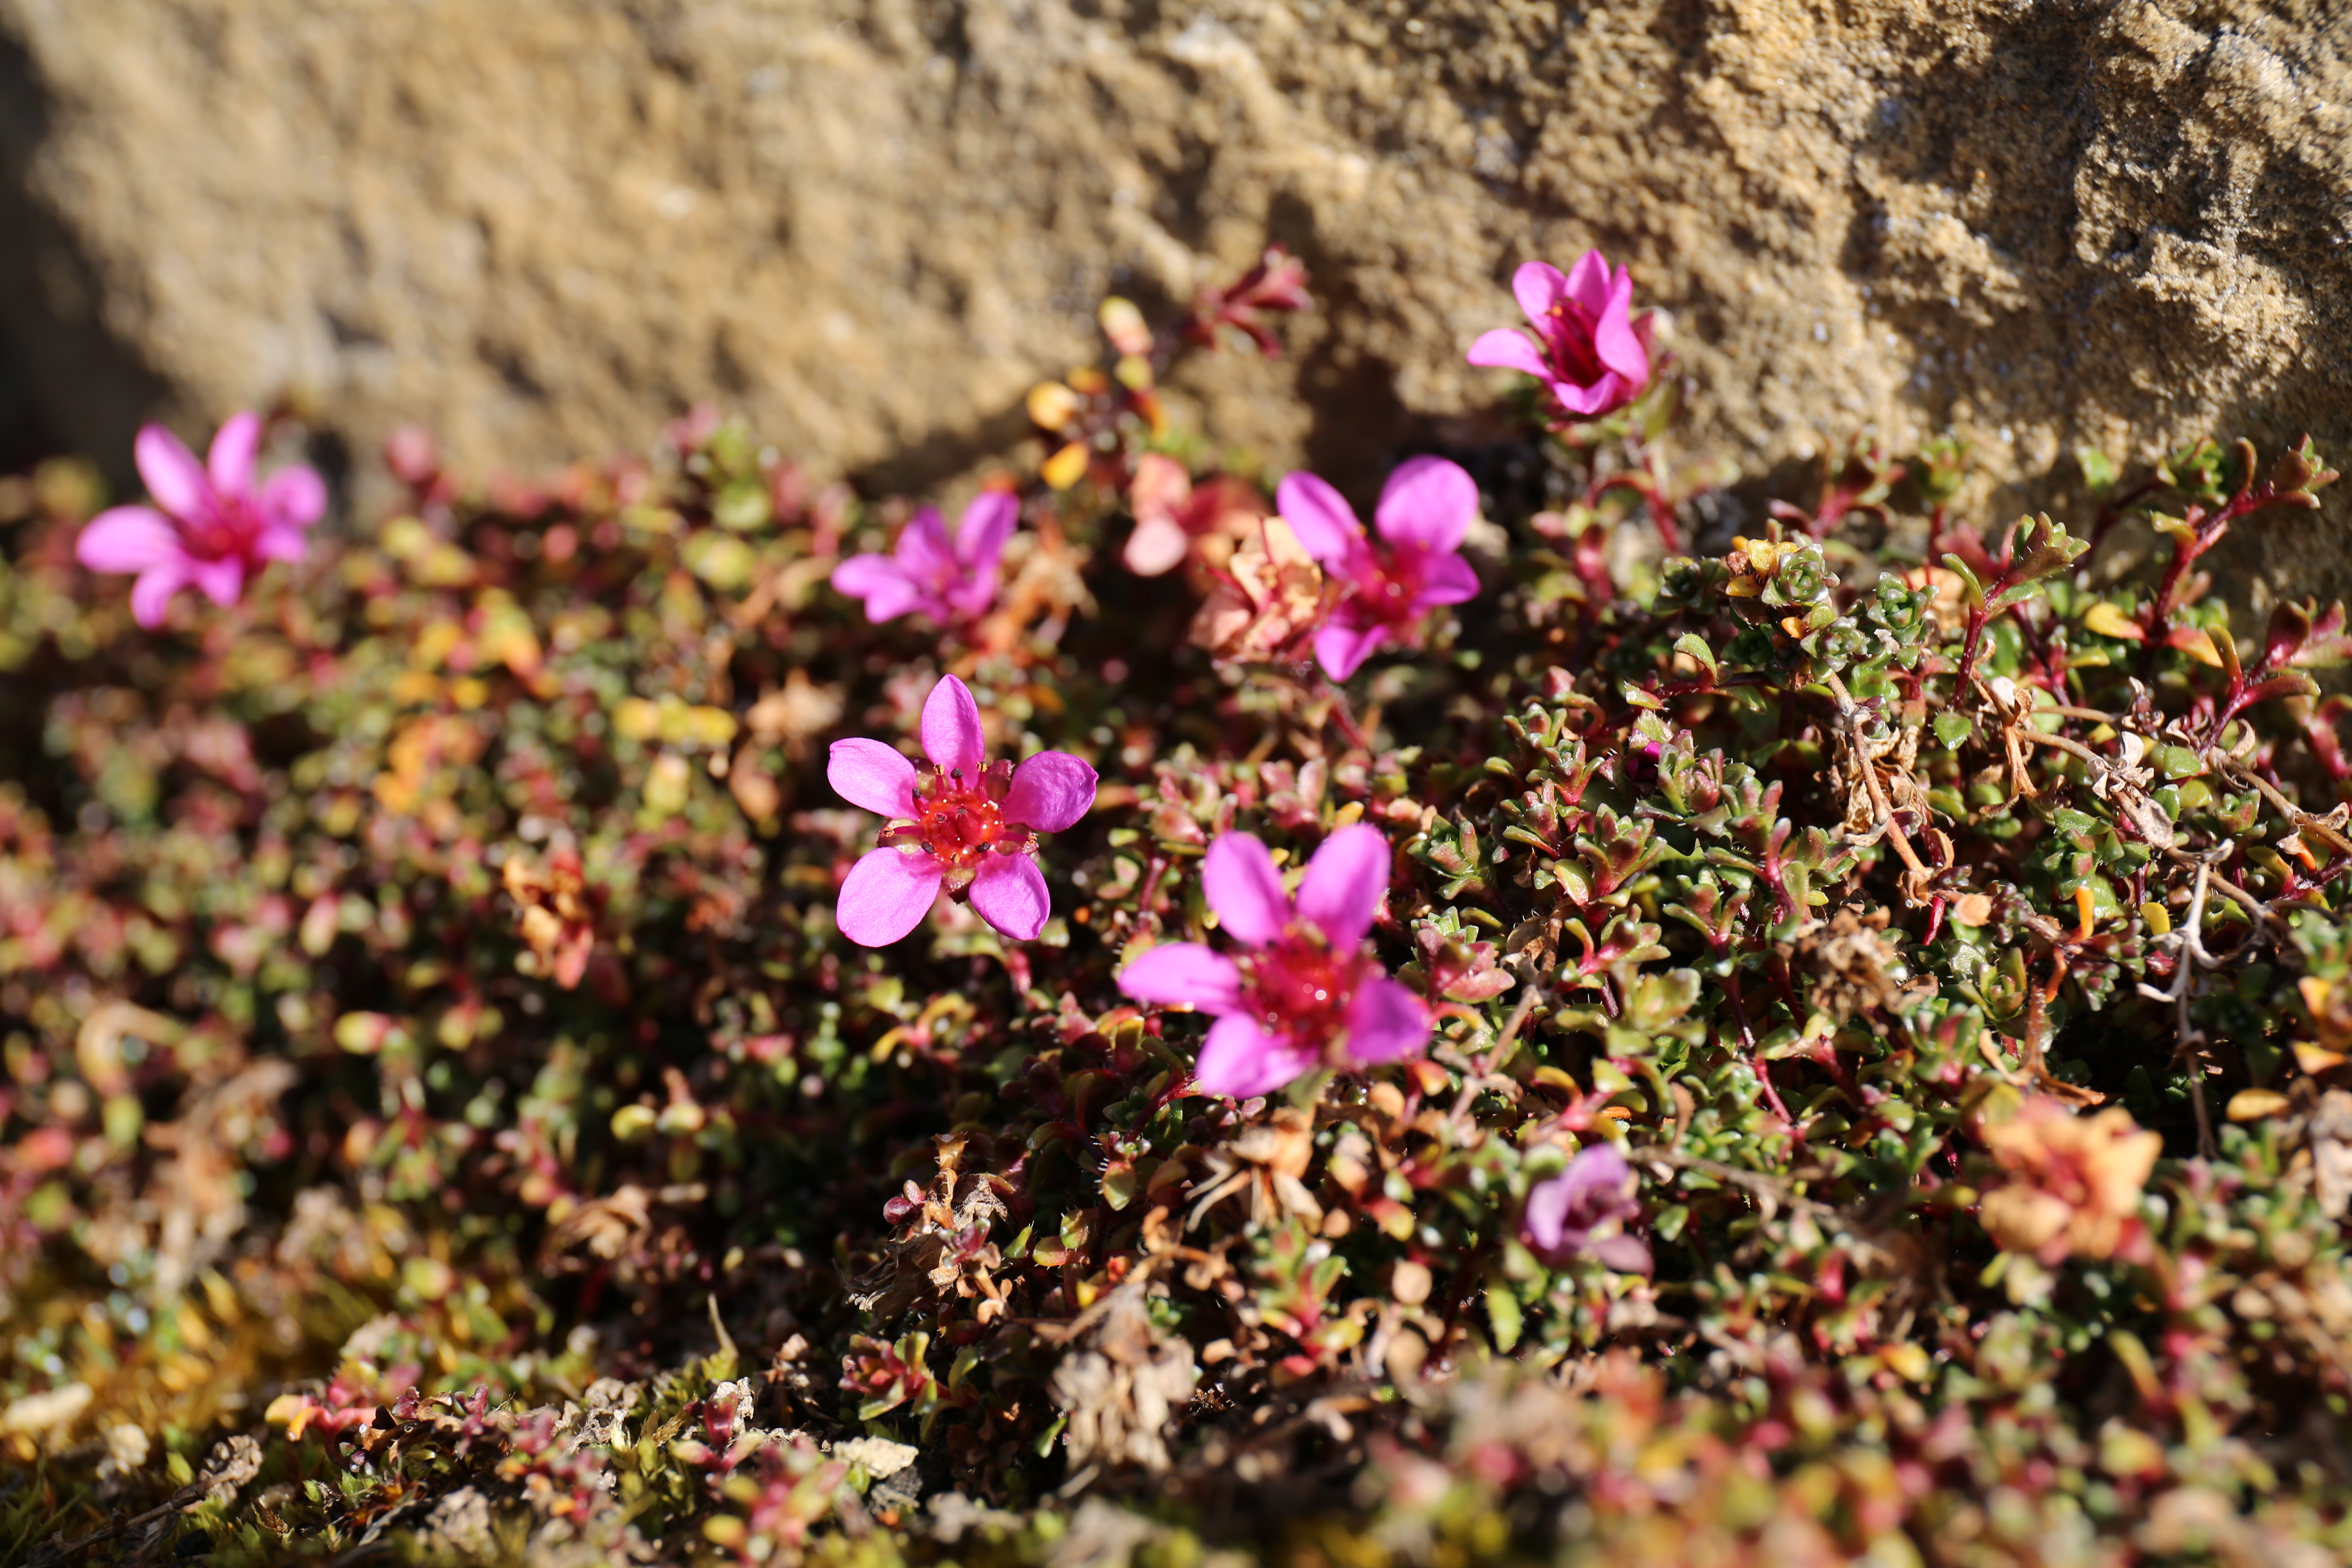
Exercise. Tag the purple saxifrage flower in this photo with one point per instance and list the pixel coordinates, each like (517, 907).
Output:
(1583, 1212)
(950, 580)
(1307, 990)
(959, 824)
(1425, 511)
(210, 527)
(1588, 350)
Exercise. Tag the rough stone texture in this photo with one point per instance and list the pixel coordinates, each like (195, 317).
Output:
(541, 226)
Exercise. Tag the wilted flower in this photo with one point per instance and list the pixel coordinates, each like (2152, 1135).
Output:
(1171, 514)
(929, 574)
(210, 526)
(2074, 1181)
(1588, 350)
(1124, 1388)
(1308, 991)
(1583, 1212)
(1425, 510)
(557, 910)
(960, 822)
(1267, 603)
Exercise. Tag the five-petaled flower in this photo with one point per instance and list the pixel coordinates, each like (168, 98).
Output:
(210, 527)
(1425, 511)
(1306, 991)
(1583, 1212)
(1588, 350)
(950, 580)
(959, 824)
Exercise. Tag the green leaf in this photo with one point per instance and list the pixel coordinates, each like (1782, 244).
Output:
(1503, 1312)
(2179, 761)
(2038, 549)
(1959, 569)
(1952, 729)
(743, 506)
(2098, 470)
(1694, 645)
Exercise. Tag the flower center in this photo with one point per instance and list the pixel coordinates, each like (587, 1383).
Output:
(1299, 986)
(228, 528)
(1571, 342)
(1386, 593)
(958, 825)
(960, 817)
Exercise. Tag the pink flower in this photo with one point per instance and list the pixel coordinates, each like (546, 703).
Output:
(209, 526)
(948, 579)
(1424, 512)
(1308, 991)
(1594, 358)
(960, 822)
(1582, 1212)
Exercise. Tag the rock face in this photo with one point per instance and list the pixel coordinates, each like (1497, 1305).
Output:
(542, 226)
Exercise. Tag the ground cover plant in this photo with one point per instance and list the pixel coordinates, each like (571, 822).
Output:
(676, 1013)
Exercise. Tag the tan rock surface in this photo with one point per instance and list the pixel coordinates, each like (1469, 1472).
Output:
(542, 226)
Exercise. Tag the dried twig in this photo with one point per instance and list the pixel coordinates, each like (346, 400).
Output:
(2189, 1046)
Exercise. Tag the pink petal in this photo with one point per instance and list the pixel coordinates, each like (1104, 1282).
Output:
(1386, 1023)
(1427, 503)
(1342, 646)
(1599, 1172)
(1240, 1059)
(870, 775)
(151, 596)
(1050, 791)
(220, 579)
(1326, 524)
(1010, 894)
(986, 524)
(862, 575)
(1245, 889)
(1182, 973)
(1510, 351)
(294, 495)
(972, 596)
(1614, 343)
(1625, 1254)
(1588, 282)
(1345, 883)
(231, 460)
(1158, 545)
(923, 551)
(881, 582)
(885, 895)
(174, 476)
(128, 538)
(1602, 396)
(1537, 286)
(1545, 1219)
(281, 542)
(952, 734)
(1445, 580)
